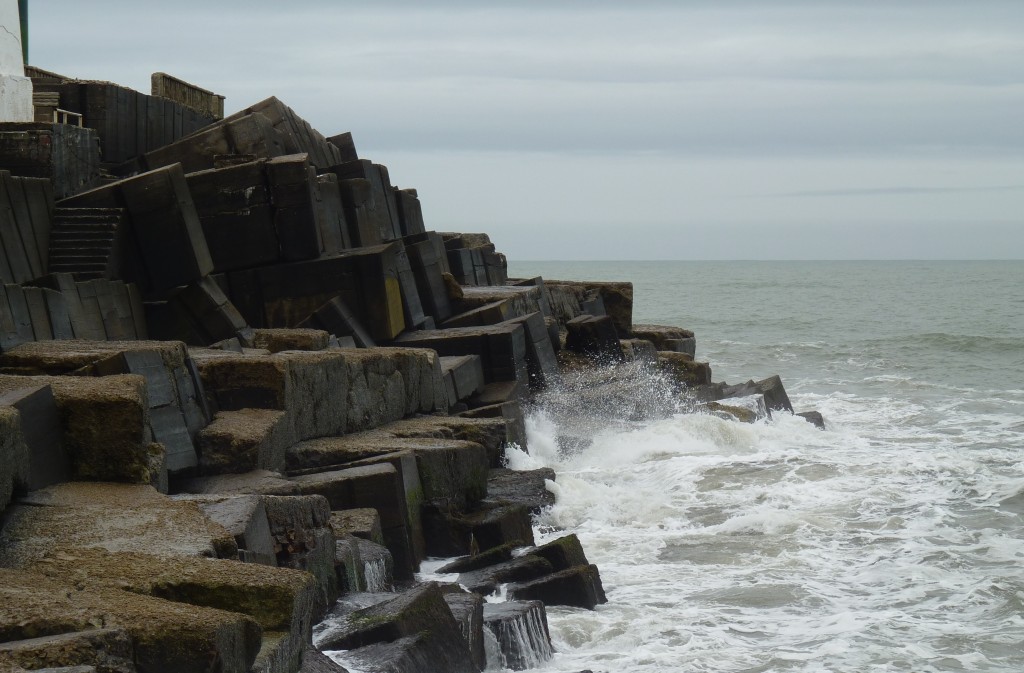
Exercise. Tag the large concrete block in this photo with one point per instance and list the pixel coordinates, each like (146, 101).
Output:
(387, 384)
(312, 387)
(114, 517)
(105, 424)
(278, 599)
(684, 372)
(427, 270)
(336, 318)
(303, 539)
(594, 337)
(540, 354)
(373, 486)
(616, 297)
(416, 626)
(165, 635)
(579, 586)
(366, 279)
(378, 486)
(502, 348)
(467, 375)
(523, 299)
(14, 460)
(164, 225)
(521, 629)
(449, 532)
(244, 440)
(102, 649)
(245, 517)
(40, 428)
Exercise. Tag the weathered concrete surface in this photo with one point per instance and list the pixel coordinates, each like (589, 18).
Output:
(105, 421)
(524, 487)
(40, 429)
(683, 370)
(491, 433)
(261, 482)
(417, 625)
(378, 486)
(245, 517)
(303, 539)
(523, 568)
(616, 296)
(522, 300)
(290, 339)
(362, 522)
(244, 440)
(468, 610)
(453, 472)
(114, 517)
(104, 650)
(166, 636)
(579, 586)
(64, 357)
(327, 393)
(14, 463)
(278, 599)
(453, 533)
(664, 337)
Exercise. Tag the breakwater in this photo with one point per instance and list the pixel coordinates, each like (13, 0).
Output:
(240, 377)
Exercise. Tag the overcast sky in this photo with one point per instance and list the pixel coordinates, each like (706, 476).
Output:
(694, 129)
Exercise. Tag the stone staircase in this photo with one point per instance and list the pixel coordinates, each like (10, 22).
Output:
(82, 241)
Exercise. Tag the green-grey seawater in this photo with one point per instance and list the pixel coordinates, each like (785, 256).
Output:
(892, 541)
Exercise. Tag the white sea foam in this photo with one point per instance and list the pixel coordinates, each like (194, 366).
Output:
(879, 544)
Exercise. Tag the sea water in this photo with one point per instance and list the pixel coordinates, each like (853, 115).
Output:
(891, 541)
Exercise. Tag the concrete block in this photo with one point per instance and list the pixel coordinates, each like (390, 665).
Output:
(541, 362)
(278, 599)
(102, 649)
(366, 279)
(244, 440)
(14, 457)
(416, 626)
(40, 429)
(245, 517)
(594, 337)
(114, 517)
(290, 339)
(303, 539)
(579, 586)
(361, 522)
(105, 424)
(521, 629)
(378, 486)
(684, 371)
(502, 348)
(165, 635)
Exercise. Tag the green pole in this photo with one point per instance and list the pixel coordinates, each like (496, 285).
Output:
(23, 11)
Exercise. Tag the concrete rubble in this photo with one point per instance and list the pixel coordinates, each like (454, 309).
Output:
(240, 377)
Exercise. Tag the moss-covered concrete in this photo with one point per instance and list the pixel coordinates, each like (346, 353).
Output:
(105, 424)
(165, 635)
(114, 517)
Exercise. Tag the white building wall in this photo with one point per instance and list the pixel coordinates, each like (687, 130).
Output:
(15, 88)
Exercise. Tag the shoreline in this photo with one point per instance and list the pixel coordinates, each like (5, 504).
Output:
(240, 377)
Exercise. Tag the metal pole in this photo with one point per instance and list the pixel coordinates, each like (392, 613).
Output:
(23, 11)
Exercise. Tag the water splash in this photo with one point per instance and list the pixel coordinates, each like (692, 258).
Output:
(520, 631)
(378, 578)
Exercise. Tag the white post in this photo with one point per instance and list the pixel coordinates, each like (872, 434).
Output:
(15, 88)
